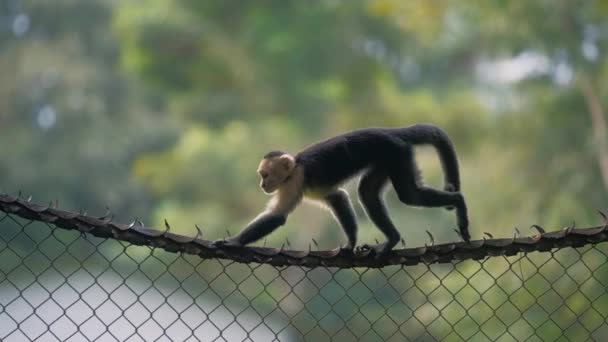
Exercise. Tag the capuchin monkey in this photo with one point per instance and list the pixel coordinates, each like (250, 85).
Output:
(380, 155)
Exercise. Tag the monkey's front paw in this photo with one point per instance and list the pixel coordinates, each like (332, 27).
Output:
(464, 231)
(230, 242)
(466, 236)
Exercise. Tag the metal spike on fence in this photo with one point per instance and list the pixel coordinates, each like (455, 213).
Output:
(516, 233)
(228, 232)
(19, 194)
(132, 224)
(56, 203)
(282, 247)
(167, 227)
(199, 232)
(288, 243)
(432, 238)
(265, 239)
(540, 229)
(604, 217)
(309, 247)
(106, 214)
(29, 199)
(488, 235)
(377, 242)
(403, 242)
(316, 243)
(568, 229)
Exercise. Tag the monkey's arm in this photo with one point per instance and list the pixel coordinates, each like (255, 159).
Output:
(272, 218)
(342, 208)
(261, 226)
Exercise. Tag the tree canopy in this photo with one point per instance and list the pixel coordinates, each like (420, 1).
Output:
(162, 109)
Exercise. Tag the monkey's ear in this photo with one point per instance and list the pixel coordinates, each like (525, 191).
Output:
(288, 161)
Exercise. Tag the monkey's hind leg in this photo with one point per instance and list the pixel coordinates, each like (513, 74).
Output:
(403, 175)
(370, 188)
(342, 208)
(450, 188)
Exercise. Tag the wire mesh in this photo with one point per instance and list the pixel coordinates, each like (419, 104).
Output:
(61, 285)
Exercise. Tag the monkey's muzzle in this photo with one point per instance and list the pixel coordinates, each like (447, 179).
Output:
(268, 190)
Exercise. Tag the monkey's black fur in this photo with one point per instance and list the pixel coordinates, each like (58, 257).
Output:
(380, 155)
(261, 227)
(334, 160)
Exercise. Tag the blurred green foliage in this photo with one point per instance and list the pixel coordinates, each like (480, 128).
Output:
(162, 109)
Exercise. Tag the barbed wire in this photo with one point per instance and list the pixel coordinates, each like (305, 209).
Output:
(136, 233)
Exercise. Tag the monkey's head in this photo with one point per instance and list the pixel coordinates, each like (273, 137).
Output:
(275, 169)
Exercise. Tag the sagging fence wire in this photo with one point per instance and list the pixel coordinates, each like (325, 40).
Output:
(58, 284)
(136, 233)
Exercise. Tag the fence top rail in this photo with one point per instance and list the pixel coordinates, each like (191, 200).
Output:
(136, 233)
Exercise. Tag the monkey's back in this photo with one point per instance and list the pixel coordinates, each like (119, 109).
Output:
(335, 160)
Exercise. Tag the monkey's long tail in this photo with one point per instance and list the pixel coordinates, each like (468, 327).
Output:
(433, 135)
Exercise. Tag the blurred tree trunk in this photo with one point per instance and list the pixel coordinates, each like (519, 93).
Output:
(598, 121)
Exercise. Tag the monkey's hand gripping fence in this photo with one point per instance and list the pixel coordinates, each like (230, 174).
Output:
(66, 275)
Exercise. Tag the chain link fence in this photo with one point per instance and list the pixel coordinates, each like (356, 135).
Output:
(62, 285)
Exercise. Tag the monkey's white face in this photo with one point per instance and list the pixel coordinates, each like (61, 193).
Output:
(274, 171)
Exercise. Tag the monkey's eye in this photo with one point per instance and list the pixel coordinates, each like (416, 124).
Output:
(264, 175)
